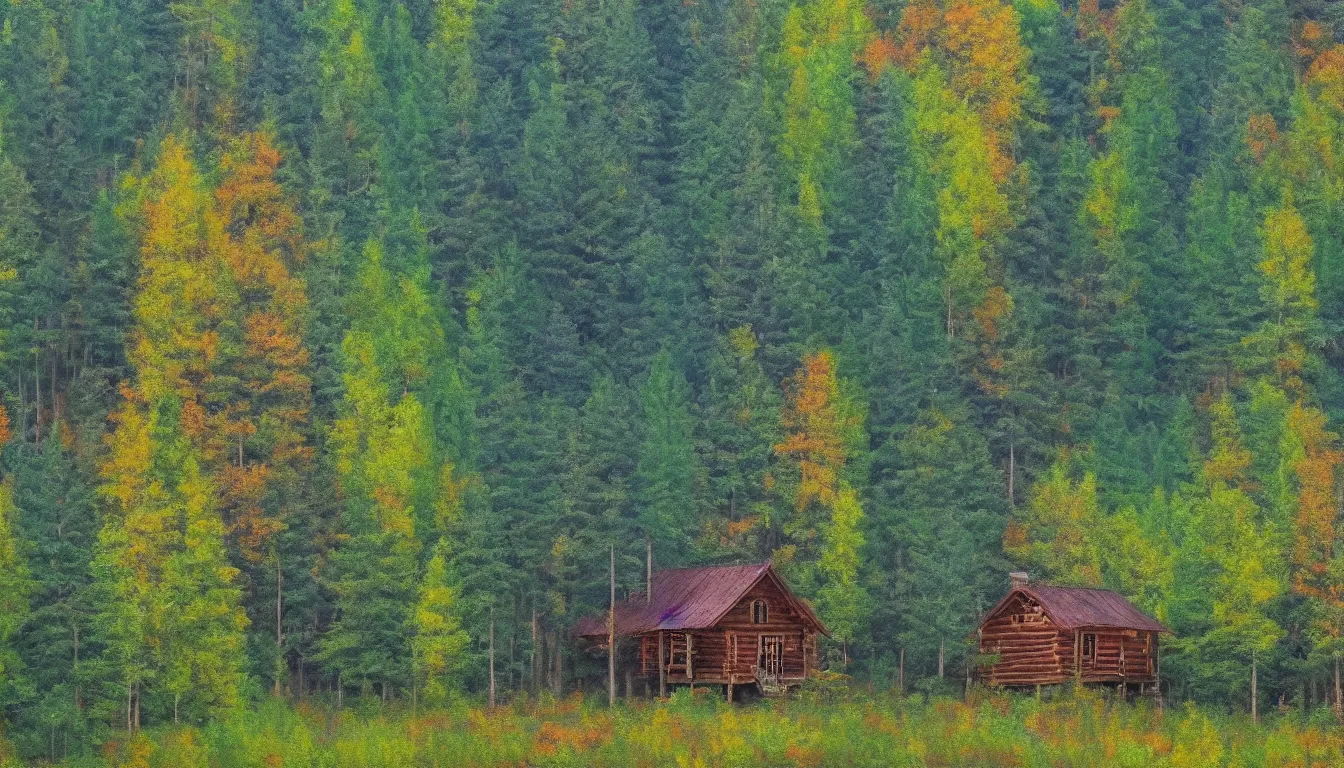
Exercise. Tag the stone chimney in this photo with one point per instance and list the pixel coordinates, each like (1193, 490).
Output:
(1018, 579)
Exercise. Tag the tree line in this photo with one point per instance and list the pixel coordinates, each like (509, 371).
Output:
(339, 337)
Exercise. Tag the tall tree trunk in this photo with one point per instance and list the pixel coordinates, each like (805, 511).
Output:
(611, 632)
(492, 657)
(74, 670)
(279, 616)
(513, 647)
(942, 655)
(1339, 705)
(536, 653)
(558, 686)
(37, 391)
(900, 674)
(1255, 692)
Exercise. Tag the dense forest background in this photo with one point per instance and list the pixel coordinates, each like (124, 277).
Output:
(333, 332)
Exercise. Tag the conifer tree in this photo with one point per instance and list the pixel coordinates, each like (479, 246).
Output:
(16, 584)
(667, 474)
(439, 641)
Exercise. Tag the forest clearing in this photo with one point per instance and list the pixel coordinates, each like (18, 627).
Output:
(693, 731)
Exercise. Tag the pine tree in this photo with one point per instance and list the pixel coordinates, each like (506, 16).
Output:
(741, 428)
(439, 641)
(950, 504)
(58, 643)
(384, 452)
(16, 583)
(666, 474)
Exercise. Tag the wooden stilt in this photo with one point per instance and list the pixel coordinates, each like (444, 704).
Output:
(662, 667)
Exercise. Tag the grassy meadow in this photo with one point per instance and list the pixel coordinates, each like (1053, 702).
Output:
(987, 730)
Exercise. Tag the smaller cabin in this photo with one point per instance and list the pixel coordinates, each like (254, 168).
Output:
(728, 625)
(1045, 635)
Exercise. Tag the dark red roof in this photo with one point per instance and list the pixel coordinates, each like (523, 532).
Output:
(691, 598)
(1079, 607)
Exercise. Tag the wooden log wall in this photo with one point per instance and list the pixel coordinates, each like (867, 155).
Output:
(1032, 650)
(781, 618)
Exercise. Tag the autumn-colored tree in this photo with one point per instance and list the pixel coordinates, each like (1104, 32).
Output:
(1232, 526)
(171, 607)
(823, 430)
(439, 641)
(1315, 458)
(394, 485)
(821, 40)
(1289, 297)
(1061, 530)
(257, 443)
(842, 598)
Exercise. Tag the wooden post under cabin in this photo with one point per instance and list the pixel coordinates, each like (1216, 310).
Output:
(662, 667)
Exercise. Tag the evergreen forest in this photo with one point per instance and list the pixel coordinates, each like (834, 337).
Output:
(342, 340)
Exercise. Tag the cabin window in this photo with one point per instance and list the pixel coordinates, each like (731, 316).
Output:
(760, 613)
(1089, 647)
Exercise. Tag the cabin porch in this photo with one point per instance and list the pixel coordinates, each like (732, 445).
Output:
(772, 660)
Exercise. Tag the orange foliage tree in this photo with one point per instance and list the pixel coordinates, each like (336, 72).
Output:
(257, 236)
(823, 433)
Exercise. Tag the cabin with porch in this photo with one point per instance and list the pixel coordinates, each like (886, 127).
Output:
(1045, 635)
(735, 626)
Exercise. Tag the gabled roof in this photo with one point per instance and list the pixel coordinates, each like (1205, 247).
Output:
(1079, 607)
(692, 598)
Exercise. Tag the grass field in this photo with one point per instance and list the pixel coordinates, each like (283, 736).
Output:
(857, 731)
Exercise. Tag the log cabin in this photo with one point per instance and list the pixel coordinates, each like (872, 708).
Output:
(1045, 635)
(735, 626)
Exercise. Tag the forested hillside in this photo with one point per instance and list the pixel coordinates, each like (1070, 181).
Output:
(333, 333)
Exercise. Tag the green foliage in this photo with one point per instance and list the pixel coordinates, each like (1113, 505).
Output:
(336, 334)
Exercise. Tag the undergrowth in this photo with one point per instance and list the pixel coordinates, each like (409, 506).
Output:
(685, 731)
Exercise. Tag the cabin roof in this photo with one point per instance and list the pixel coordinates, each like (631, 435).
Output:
(692, 598)
(1078, 607)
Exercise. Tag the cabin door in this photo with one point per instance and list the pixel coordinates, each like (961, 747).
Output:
(770, 657)
(1089, 650)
